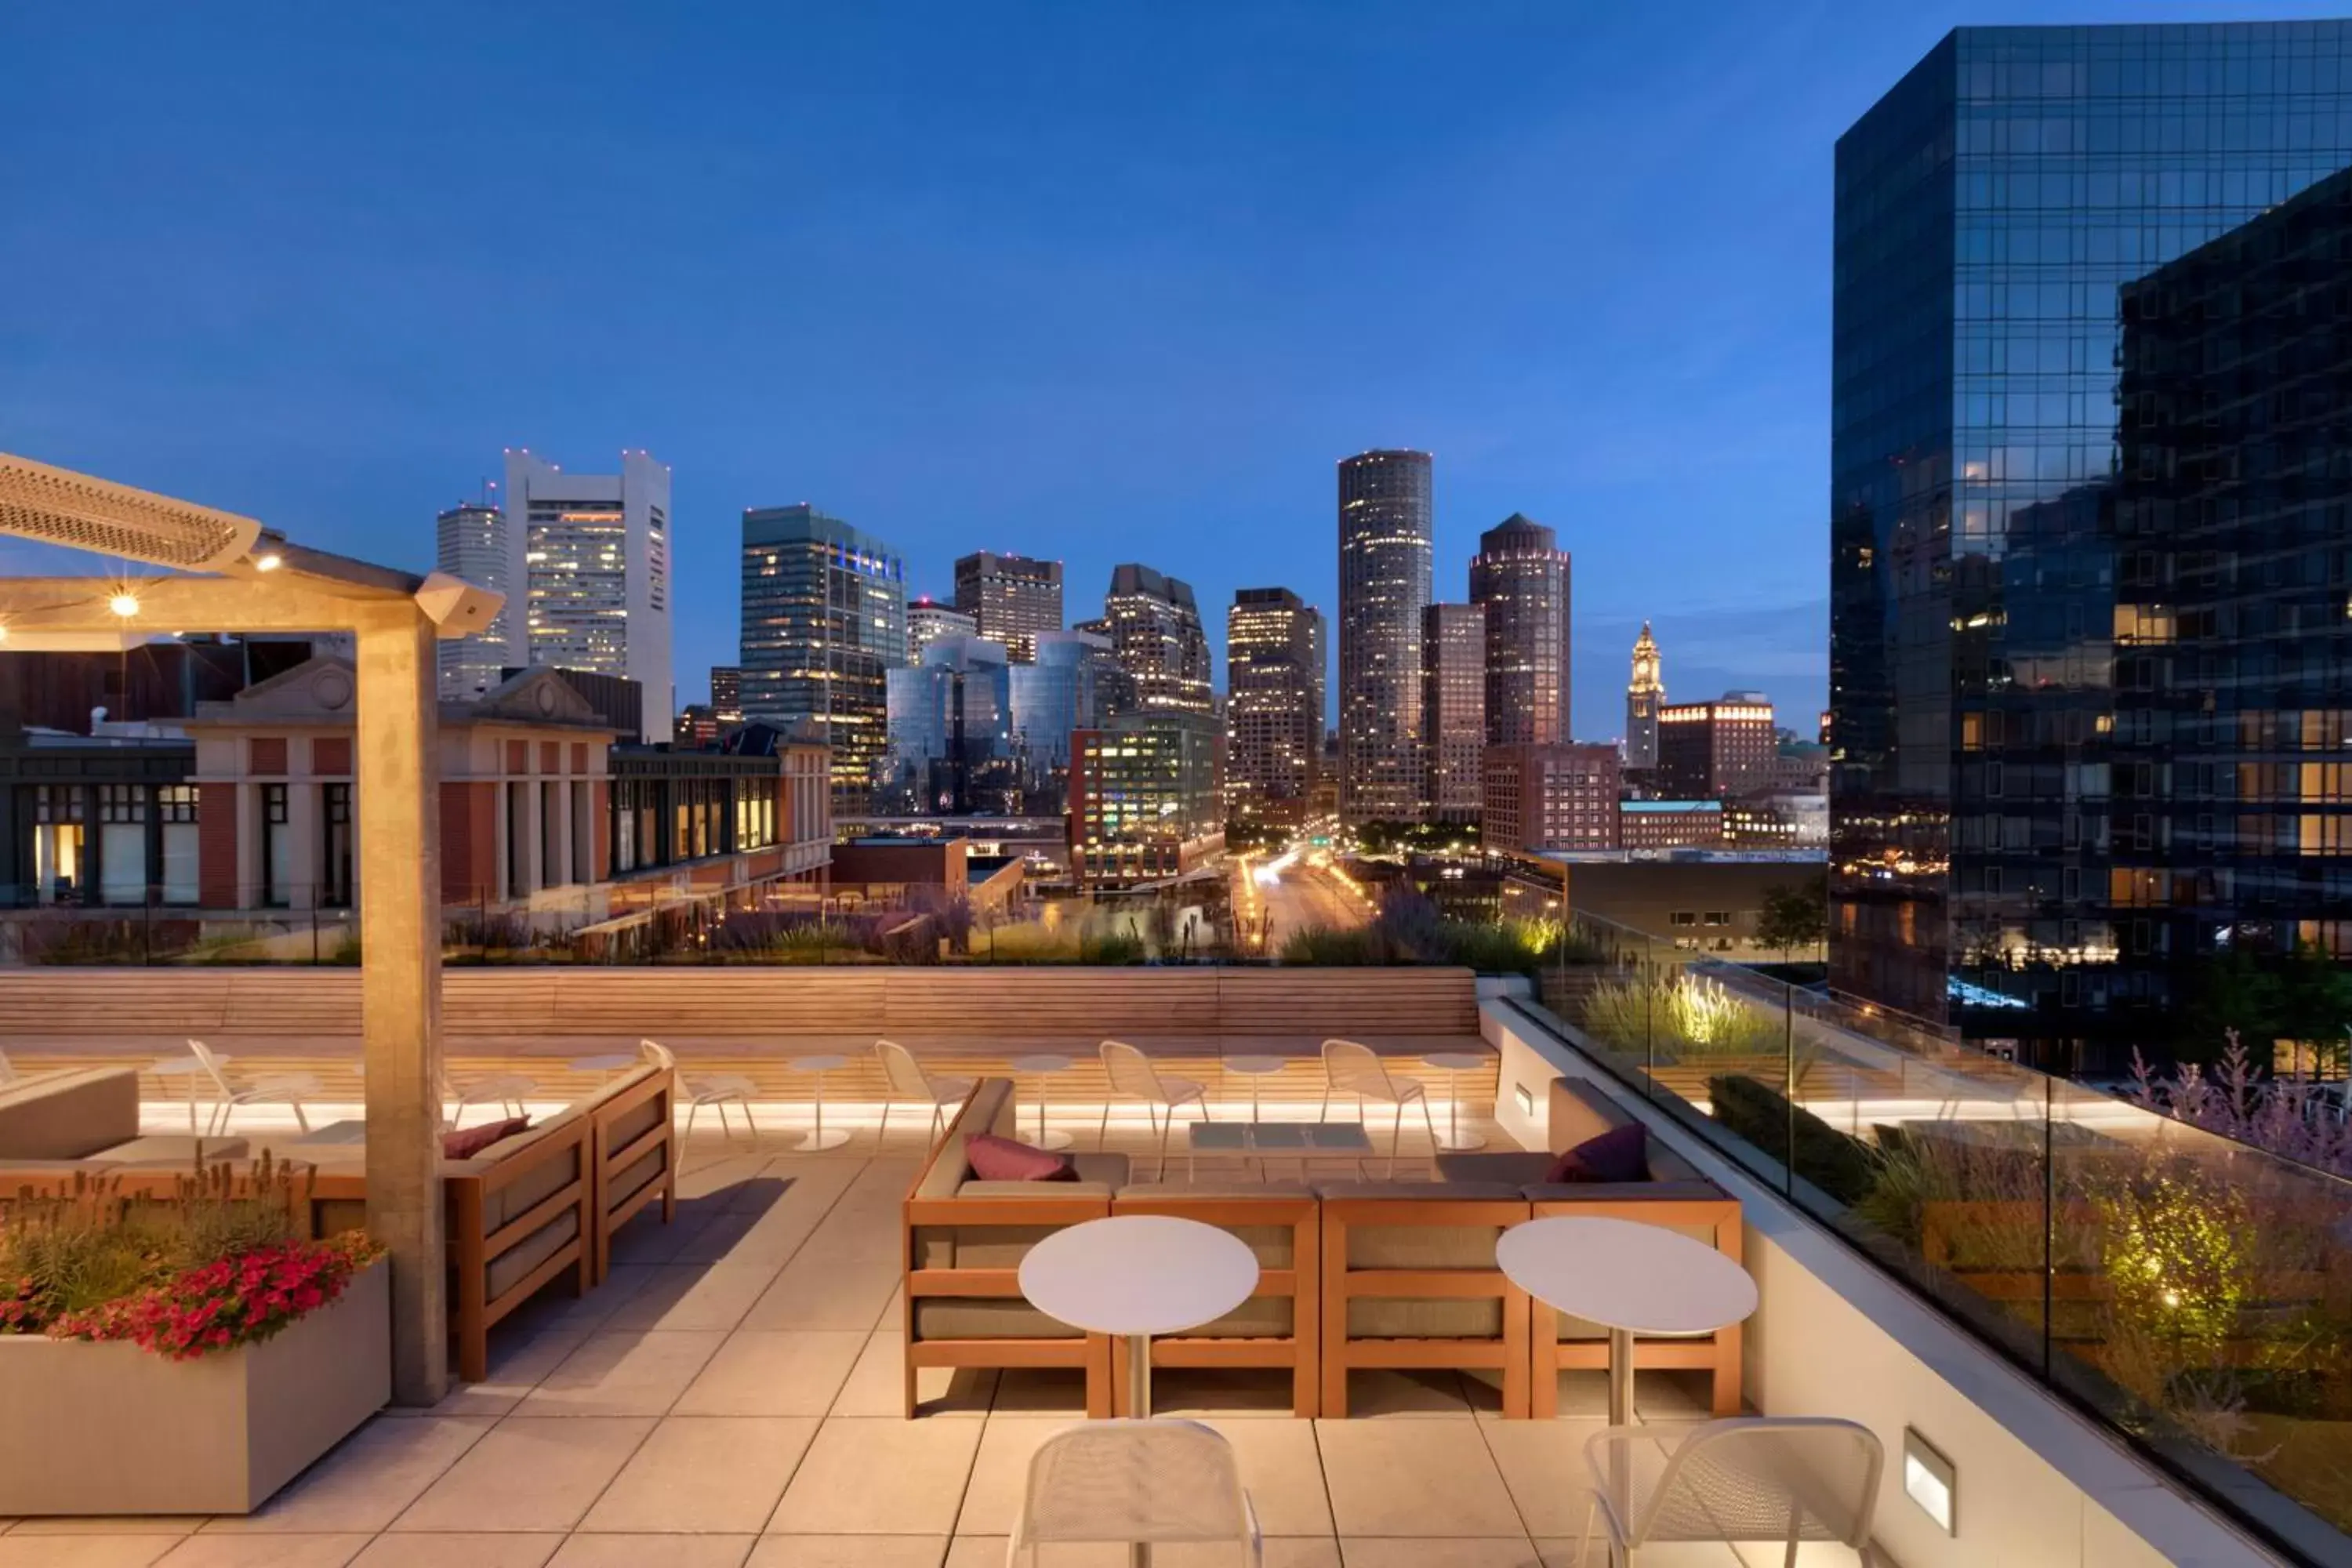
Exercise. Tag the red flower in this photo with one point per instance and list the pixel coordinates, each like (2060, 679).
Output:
(234, 1301)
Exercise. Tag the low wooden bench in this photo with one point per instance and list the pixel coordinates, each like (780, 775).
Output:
(1410, 1281)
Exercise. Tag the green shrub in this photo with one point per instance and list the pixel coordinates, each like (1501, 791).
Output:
(1323, 947)
(1111, 948)
(1843, 1167)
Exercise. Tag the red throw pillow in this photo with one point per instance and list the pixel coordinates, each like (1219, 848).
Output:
(1619, 1154)
(471, 1141)
(995, 1158)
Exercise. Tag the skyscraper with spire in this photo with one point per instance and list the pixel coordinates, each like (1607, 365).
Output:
(1645, 695)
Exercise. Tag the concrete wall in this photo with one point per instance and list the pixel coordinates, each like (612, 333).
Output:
(2037, 1484)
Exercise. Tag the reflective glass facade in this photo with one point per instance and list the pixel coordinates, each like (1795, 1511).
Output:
(1385, 518)
(951, 745)
(1520, 577)
(2001, 776)
(824, 619)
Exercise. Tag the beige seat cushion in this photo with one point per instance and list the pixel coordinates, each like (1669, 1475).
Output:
(68, 1115)
(179, 1149)
(510, 1268)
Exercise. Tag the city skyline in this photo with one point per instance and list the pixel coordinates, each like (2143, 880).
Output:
(1002, 389)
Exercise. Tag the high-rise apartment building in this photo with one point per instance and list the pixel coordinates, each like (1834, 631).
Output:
(470, 542)
(825, 621)
(727, 693)
(1556, 796)
(590, 553)
(1520, 578)
(927, 620)
(1274, 709)
(1452, 711)
(1011, 599)
(2085, 629)
(1155, 631)
(1385, 519)
(1711, 750)
(1645, 695)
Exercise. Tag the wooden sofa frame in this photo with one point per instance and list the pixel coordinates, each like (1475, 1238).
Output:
(1342, 1353)
(607, 1162)
(1300, 1351)
(1090, 1353)
(1717, 1353)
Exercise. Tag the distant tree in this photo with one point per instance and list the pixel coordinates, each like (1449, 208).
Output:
(1794, 915)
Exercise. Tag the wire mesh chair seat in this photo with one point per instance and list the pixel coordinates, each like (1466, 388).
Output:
(288, 1089)
(1745, 1478)
(904, 1078)
(1155, 1481)
(1131, 1074)
(718, 1090)
(507, 1091)
(1350, 1068)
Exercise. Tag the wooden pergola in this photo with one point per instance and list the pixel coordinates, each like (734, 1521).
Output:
(253, 581)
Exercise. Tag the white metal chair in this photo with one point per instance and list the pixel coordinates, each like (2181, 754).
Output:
(905, 1080)
(1131, 1074)
(507, 1091)
(717, 1090)
(1150, 1481)
(1789, 1479)
(290, 1088)
(1357, 1069)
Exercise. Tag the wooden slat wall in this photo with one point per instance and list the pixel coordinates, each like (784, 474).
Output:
(753, 1020)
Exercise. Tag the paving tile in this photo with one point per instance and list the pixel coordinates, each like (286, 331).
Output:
(460, 1550)
(1220, 1392)
(528, 1475)
(1000, 1470)
(111, 1524)
(1662, 1554)
(265, 1551)
(1543, 1465)
(1377, 1392)
(647, 1240)
(766, 1372)
(1429, 1477)
(1041, 1391)
(1489, 1551)
(653, 1551)
(869, 1477)
(694, 1296)
(365, 1480)
(521, 1356)
(722, 1473)
(624, 1373)
(877, 1384)
(551, 1309)
(1281, 1551)
(20, 1549)
(1282, 1470)
(842, 1286)
(853, 1552)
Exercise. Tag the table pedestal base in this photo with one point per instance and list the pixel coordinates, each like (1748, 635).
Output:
(1460, 1145)
(1139, 1405)
(814, 1143)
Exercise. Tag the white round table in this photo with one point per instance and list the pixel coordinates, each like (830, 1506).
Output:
(187, 1069)
(817, 1139)
(1453, 1064)
(611, 1061)
(1632, 1279)
(1137, 1276)
(1254, 1068)
(1044, 1064)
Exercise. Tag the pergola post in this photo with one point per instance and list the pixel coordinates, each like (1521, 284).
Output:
(399, 775)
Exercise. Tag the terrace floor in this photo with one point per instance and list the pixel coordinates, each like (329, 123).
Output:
(730, 1397)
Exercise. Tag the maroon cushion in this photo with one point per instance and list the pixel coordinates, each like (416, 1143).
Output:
(1619, 1154)
(472, 1141)
(995, 1158)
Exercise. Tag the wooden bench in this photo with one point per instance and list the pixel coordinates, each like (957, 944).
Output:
(1451, 1308)
(1281, 1325)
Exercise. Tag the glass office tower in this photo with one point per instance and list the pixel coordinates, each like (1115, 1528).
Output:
(825, 621)
(2019, 730)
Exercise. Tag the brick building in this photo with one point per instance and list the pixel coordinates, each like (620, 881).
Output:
(1556, 796)
(1709, 751)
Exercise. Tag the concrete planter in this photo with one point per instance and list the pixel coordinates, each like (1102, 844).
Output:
(112, 1428)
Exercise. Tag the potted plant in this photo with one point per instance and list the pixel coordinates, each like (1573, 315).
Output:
(182, 1352)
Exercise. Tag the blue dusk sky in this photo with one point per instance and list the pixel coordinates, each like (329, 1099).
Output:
(1092, 281)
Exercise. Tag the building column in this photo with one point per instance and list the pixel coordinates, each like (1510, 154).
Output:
(535, 838)
(399, 810)
(560, 873)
